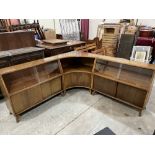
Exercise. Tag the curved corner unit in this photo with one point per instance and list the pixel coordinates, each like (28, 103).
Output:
(29, 84)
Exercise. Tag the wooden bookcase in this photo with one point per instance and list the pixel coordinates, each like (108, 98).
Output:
(126, 83)
(29, 84)
(77, 72)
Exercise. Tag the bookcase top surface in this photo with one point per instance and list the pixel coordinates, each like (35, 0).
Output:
(75, 54)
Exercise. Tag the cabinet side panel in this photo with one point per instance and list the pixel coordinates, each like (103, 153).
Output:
(46, 90)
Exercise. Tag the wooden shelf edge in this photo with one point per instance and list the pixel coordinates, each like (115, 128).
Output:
(77, 87)
(77, 71)
(39, 83)
(19, 91)
(120, 81)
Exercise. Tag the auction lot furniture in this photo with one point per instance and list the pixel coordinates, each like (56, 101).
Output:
(31, 83)
(110, 38)
(51, 50)
(18, 47)
(125, 46)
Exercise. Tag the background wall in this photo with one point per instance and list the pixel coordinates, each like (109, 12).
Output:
(54, 23)
(49, 23)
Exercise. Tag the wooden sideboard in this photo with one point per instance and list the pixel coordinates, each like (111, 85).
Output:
(18, 47)
(29, 84)
(51, 50)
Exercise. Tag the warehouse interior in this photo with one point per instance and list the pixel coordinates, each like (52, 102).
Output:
(77, 76)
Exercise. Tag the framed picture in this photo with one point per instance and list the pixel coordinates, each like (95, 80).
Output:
(140, 55)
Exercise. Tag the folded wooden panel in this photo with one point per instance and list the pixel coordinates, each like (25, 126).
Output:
(125, 46)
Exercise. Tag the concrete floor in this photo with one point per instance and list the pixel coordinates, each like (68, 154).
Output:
(78, 112)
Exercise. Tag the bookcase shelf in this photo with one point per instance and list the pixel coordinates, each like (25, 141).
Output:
(77, 65)
(30, 84)
(22, 79)
(138, 80)
(27, 78)
(77, 69)
(133, 76)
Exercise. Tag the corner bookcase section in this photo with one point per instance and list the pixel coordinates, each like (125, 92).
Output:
(29, 84)
(77, 64)
(77, 72)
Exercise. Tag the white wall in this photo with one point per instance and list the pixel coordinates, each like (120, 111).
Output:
(93, 24)
(49, 23)
(147, 22)
(46, 23)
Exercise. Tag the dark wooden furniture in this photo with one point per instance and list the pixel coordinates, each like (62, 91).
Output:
(7, 26)
(18, 47)
(51, 50)
(125, 46)
(29, 84)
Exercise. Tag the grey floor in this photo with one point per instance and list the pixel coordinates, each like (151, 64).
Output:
(80, 113)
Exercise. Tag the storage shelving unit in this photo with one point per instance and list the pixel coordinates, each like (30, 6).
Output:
(77, 72)
(77, 64)
(29, 84)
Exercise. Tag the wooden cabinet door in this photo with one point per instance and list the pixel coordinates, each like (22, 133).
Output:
(104, 85)
(132, 95)
(55, 85)
(34, 95)
(46, 90)
(20, 102)
(26, 99)
(51, 87)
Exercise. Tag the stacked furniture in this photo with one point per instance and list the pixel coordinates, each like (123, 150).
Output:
(29, 84)
(8, 26)
(51, 50)
(2, 26)
(18, 47)
(110, 38)
(87, 48)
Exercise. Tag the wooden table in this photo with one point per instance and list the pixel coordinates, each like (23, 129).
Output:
(51, 50)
